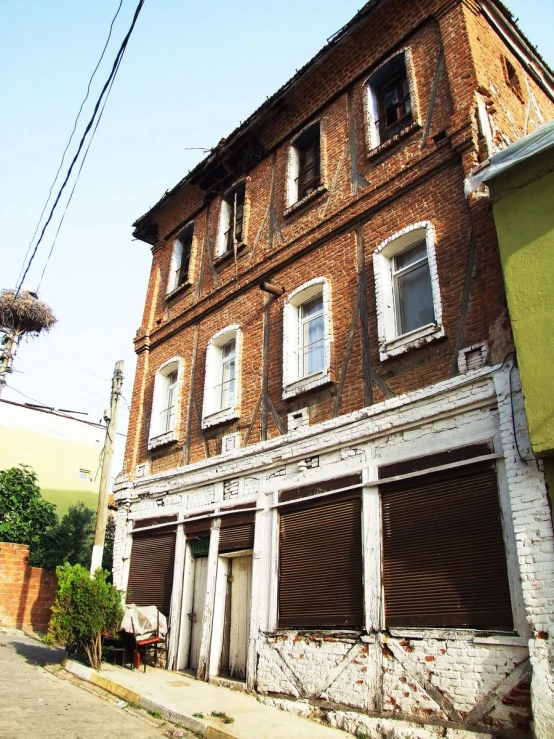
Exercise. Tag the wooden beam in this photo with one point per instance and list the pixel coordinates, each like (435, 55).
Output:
(358, 180)
(199, 421)
(276, 417)
(254, 417)
(432, 99)
(265, 366)
(364, 320)
(489, 701)
(186, 451)
(347, 352)
(464, 309)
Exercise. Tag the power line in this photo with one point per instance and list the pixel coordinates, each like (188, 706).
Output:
(107, 84)
(63, 359)
(72, 132)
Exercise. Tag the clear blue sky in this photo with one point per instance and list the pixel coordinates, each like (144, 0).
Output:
(191, 73)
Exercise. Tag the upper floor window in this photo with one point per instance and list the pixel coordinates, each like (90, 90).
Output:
(180, 262)
(390, 100)
(165, 404)
(231, 224)
(305, 164)
(307, 337)
(407, 289)
(222, 384)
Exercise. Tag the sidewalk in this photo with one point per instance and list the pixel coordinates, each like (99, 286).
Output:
(177, 696)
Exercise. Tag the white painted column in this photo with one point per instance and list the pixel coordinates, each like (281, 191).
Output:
(207, 620)
(176, 597)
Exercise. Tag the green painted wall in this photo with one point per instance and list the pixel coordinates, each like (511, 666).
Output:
(523, 205)
(57, 463)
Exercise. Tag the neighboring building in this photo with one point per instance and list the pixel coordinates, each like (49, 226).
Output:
(63, 450)
(521, 183)
(322, 486)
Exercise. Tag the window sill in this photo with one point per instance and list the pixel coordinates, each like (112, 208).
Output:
(412, 340)
(495, 638)
(178, 290)
(318, 192)
(385, 145)
(222, 416)
(162, 439)
(220, 258)
(306, 383)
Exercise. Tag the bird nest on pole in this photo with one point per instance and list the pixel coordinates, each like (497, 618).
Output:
(24, 313)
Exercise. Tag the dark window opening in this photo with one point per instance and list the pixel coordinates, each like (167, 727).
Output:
(511, 77)
(392, 91)
(444, 560)
(183, 247)
(235, 204)
(309, 161)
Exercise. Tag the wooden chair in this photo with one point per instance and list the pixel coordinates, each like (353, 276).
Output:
(144, 646)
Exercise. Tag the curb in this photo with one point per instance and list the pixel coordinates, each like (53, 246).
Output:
(129, 696)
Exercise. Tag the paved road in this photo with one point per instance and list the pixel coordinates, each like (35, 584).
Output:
(35, 703)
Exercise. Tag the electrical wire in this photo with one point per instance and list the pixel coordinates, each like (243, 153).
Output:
(72, 133)
(75, 184)
(63, 359)
(90, 124)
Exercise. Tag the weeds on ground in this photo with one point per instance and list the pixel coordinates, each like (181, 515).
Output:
(154, 713)
(198, 715)
(222, 717)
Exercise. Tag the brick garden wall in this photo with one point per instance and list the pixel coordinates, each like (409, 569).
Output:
(26, 593)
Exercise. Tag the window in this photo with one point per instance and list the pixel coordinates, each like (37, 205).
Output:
(389, 100)
(165, 406)
(304, 165)
(84, 475)
(325, 536)
(180, 262)
(307, 338)
(407, 290)
(444, 560)
(231, 224)
(222, 385)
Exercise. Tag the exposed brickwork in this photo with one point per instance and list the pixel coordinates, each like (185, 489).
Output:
(26, 593)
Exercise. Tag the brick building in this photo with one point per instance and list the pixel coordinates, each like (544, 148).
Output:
(328, 483)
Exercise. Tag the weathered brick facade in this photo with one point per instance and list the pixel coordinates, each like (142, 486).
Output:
(475, 85)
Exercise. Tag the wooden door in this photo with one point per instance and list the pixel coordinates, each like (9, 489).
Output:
(197, 612)
(241, 594)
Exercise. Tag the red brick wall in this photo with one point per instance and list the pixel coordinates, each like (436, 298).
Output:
(26, 593)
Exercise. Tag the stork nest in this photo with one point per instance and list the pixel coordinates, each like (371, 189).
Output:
(24, 312)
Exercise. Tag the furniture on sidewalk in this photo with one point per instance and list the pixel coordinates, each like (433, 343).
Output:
(145, 645)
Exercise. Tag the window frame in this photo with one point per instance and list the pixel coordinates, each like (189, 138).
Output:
(295, 195)
(213, 411)
(294, 382)
(182, 247)
(160, 434)
(391, 341)
(373, 99)
(227, 218)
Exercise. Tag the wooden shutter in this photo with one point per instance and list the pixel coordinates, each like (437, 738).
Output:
(444, 562)
(237, 532)
(151, 573)
(320, 563)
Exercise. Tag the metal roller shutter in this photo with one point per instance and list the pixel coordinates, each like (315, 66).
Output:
(237, 532)
(151, 572)
(320, 563)
(444, 561)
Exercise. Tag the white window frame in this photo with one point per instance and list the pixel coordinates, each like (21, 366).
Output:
(225, 220)
(213, 413)
(372, 101)
(391, 342)
(294, 382)
(158, 434)
(176, 259)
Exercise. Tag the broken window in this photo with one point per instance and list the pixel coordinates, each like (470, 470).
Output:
(180, 263)
(320, 558)
(390, 101)
(511, 77)
(231, 226)
(305, 164)
(444, 560)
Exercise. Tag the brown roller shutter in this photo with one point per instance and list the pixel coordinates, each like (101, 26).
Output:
(151, 573)
(198, 529)
(145, 522)
(237, 532)
(320, 563)
(444, 561)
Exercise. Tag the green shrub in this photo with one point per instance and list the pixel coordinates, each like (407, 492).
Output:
(83, 610)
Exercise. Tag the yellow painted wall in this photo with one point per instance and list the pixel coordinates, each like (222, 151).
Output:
(57, 462)
(523, 205)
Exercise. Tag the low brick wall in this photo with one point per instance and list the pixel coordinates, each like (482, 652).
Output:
(26, 593)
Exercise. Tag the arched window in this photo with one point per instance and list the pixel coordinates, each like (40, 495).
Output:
(165, 404)
(181, 258)
(304, 164)
(231, 221)
(222, 383)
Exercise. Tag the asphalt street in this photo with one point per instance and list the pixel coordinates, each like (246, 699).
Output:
(37, 703)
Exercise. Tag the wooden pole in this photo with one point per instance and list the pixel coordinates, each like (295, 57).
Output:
(9, 349)
(102, 512)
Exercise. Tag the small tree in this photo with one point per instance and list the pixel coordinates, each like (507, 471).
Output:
(83, 610)
(25, 516)
(71, 540)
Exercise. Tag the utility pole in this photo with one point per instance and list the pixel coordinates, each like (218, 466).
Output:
(102, 512)
(10, 343)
